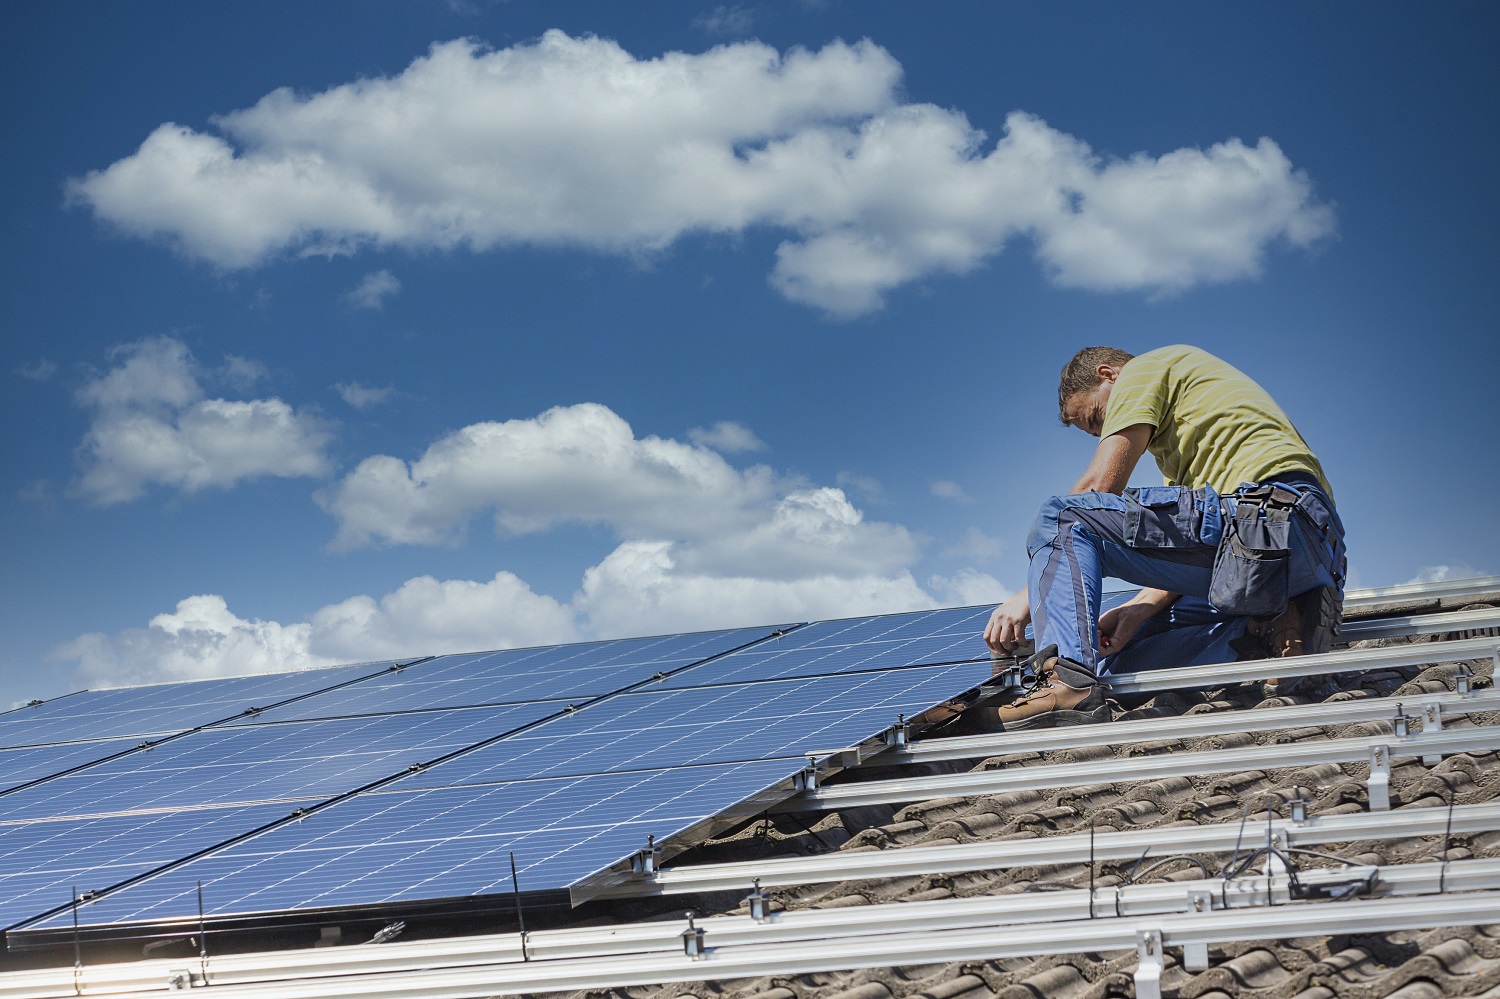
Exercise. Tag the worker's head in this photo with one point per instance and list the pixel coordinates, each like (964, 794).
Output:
(1083, 391)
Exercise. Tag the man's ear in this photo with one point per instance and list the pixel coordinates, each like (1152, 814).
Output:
(1107, 372)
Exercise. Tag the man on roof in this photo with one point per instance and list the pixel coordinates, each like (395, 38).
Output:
(1241, 554)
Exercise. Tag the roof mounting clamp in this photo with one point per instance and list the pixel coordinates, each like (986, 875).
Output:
(1195, 956)
(179, 979)
(1463, 680)
(1401, 724)
(692, 939)
(807, 780)
(1380, 779)
(646, 861)
(1278, 848)
(899, 734)
(759, 901)
(1432, 721)
(1004, 681)
(1149, 967)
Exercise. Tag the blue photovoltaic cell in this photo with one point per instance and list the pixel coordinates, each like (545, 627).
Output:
(665, 728)
(441, 843)
(17, 766)
(262, 762)
(41, 863)
(574, 672)
(886, 641)
(574, 795)
(162, 709)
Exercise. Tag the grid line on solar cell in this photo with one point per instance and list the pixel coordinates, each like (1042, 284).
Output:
(440, 843)
(512, 676)
(250, 763)
(42, 862)
(165, 709)
(427, 835)
(852, 645)
(26, 764)
(719, 724)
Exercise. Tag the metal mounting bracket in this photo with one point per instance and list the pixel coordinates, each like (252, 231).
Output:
(1149, 966)
(1432, 721)
(1195, 955)
(1380, 779)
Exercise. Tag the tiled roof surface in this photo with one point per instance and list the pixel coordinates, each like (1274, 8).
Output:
(1410, 964)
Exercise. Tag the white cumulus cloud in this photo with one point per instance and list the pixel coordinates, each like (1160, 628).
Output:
(727, 437)
(373, 290)
(425, 616)
(579, 464)
(576, 142)
(364, 396)
(948, 489)
(700, 546)
(202, 637)
(152, 426)
(1441, 573)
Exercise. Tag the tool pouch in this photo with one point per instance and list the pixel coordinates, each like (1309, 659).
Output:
(1252, 568)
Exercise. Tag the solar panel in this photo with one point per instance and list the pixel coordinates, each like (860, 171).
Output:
(20, 766)
(440, 843)
(710, 722)
(163, 709)
(886, 641)
(41, 863)
(515, 675)
(719, 724)
(442, 833)
(255, 763)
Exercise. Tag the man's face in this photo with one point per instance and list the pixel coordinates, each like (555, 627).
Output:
(1085, 410)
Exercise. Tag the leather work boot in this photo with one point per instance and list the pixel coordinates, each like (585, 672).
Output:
(1065, 693)
(1308, 626)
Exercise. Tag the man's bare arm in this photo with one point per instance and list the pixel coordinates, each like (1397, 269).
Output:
(1114, 460)
(1118, 625)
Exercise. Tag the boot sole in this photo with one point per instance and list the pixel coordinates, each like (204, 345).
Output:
(1060, 718)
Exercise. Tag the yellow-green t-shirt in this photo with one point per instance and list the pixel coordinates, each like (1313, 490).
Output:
(1214, 425)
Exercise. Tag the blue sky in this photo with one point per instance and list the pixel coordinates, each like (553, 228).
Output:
(344, 330)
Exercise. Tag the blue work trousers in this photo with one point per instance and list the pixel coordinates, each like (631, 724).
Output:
(1164, 537)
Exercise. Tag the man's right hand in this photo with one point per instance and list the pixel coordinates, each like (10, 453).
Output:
(1006, 630)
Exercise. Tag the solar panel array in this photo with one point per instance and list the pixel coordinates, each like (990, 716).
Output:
(411, 782)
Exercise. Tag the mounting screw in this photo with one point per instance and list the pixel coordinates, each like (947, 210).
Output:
(760, 902)
(1463, 680)
(692, 938)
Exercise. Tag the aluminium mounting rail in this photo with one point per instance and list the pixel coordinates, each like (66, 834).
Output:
(1378, 750)
(1072, 848)
(1430, 709)
(1350, 661)
(1147, 934)
(1448, 589)
(1411, 625)
(665, 936)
